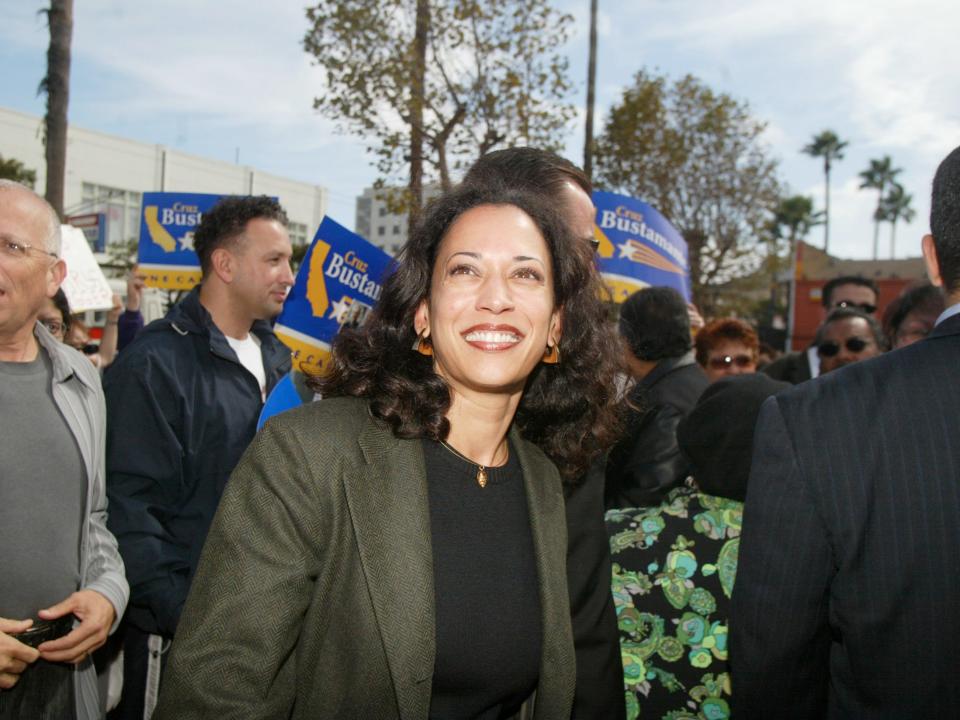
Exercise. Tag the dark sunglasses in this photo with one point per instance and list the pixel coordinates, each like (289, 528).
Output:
(865, 307)
(830, 348)
(88, 349)
(725, 361)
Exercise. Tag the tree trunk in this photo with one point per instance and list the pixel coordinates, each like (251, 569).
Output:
(876, 226)
(57, 86)
(415, 201)
(826, 215)
(893, 238)
(591, 83)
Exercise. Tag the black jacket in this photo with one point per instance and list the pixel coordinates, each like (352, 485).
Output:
(599, 693)
(647, 462)
(181, 410)
(792, 368)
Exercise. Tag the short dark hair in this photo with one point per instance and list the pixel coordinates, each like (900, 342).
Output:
(945, 220)
(61, 303)
(227, 220)
(529, 169)
(569, 409)
(847, 280)
(655, 324)
(722, 329)
(848, 313)
(925, 298)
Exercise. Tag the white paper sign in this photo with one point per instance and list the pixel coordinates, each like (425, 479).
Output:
(85, 286)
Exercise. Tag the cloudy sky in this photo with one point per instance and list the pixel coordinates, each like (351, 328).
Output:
(218, 79)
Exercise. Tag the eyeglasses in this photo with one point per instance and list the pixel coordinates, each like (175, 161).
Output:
(54, 326)
(722, 362)
(594, 243)
(865, 307)
(20, 250)
(830, 348)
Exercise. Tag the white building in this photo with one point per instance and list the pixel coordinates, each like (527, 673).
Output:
(108, 174)
(376, 223)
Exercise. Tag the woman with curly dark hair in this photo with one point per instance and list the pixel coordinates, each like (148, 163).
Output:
(397, 549)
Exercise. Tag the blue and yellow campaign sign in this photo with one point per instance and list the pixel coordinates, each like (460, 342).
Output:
(338, 284)
(167, 224)
(638, 247)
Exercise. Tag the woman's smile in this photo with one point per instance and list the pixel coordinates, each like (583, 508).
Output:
(492, 338)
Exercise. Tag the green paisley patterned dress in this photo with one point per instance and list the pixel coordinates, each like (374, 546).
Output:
(673, 572)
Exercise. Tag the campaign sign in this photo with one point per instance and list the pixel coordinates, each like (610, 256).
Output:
(338, 284)
(638, 247)
(85, 285)
(167, 224)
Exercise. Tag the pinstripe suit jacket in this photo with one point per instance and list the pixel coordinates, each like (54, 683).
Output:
(847, 597)
(314, 596)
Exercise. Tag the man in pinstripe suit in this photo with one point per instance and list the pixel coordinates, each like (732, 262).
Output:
(847, 597)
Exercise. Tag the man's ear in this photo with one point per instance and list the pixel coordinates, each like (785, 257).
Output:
(55, 276)
(931, 261)
(222, 265)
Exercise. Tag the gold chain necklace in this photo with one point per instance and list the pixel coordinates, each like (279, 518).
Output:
(481, 470)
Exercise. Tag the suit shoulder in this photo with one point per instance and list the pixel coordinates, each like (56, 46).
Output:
(331, 421)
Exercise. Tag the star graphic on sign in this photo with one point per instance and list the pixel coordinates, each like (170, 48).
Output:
(186, 242)
(339, 309)
(626, 249)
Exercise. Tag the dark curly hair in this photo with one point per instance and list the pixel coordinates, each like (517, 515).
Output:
(226, 220)
(924, 298)
(569, 409)
(722, 329)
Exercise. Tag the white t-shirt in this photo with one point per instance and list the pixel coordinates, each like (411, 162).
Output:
(248, 352)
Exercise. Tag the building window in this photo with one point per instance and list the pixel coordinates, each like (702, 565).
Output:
(383, 211)
(298, 233)
(121, 208)
(396, 229)
(382, 230)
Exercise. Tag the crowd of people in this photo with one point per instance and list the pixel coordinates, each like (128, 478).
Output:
(503, 506)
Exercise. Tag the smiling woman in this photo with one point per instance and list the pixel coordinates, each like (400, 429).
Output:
(398, 549)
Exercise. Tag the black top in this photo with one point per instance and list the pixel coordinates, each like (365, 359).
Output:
(485, 585)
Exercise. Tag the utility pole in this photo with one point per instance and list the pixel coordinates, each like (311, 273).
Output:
(591, 84)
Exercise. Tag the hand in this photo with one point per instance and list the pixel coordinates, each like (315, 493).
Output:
(113, 314)
(96, 615)
(696, 319)
(15, 657)
(135, 284)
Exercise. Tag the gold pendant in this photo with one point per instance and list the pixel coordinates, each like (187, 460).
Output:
(482, 476)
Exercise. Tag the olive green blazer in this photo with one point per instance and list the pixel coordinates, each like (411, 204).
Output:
(314, 595)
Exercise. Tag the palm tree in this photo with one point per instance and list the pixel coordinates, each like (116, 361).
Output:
(56, 85)
(896, 206)
(792, 220)
(830, 147)
(880, 174)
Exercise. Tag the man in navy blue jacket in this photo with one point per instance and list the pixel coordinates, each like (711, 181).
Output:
(846, 597)
(182, 404)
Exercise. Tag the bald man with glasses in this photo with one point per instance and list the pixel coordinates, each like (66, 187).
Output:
(63, 582)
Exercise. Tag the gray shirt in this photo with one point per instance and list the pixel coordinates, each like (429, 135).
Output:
(43, 489)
